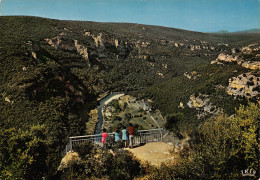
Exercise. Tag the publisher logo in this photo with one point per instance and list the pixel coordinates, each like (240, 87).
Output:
(248, 172)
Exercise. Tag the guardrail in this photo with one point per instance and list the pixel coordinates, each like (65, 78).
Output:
(141, 137)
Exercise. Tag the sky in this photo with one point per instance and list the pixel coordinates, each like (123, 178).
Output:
(195, 15)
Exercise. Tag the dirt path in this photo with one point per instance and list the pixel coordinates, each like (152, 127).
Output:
(155, 153)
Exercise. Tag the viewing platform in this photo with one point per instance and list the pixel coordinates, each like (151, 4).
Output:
(141, 137)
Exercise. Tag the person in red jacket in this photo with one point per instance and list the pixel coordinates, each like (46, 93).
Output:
(104, 136)
(131, 135)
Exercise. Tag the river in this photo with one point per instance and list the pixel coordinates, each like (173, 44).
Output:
(103, 102)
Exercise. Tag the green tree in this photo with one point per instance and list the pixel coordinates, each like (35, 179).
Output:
(228, 145)
(23, 154)
(128, 116)
(172, 123)
(116, 105)
(249, 119)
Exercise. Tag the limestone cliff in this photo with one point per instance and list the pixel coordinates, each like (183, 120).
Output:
(247, 57)
(64, 43)
(202, 104)
(245, 85)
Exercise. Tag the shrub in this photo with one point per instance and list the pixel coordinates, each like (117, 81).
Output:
(84, 149)
(23, 153)
(117, 145)
(75, 170)
(129, 166)
(102, 163)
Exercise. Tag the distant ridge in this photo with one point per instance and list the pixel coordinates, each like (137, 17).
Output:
(222, 31)
(249, 31)
(245, 31)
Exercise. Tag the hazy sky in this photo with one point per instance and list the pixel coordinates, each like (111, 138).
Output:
(196, 15)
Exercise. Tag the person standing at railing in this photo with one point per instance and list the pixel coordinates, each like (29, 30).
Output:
(104, 136)
(124, 135)
(117, 136)
(131, 135)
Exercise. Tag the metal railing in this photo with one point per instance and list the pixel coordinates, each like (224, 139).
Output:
(141, 137)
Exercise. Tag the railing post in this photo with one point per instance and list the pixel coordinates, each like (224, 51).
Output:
(70, 145)
(140, 138)
(161, 135)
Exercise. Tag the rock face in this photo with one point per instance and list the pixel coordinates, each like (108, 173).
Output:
(250, 48)
(116, 43)
(240, 57)
(69, 45)
(160, 74)
(245, 85)
(222, 57)
(192, 75)
(227, 57)
(62, 43)
(83, 51)
(202, 103)
(98, 40)
(198, 102)
(255, 65)
(181, 105)
(34, 55)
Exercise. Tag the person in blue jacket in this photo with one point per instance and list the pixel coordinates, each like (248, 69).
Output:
(124, 136)
(117, 135)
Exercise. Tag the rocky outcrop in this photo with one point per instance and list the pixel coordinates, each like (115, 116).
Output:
(250, 48)
(192, 48)
(202, 103)
(222, 57)
(227, 58)
(144, 44)
(245, 85)
(35, 47)
(98, 40)
(69, 45)
(254, 65)
(160, 74)
(203, 45)
(223, 44)
(83, 51)
(197, 47)
(241, 57)
(34, 55)
(181, 145)
(116, 43)
(165, 66)
(192, 75)
(198, 102)
(181, 105)
(62, 43)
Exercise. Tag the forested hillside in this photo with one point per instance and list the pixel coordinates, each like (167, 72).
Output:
(52, 73)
